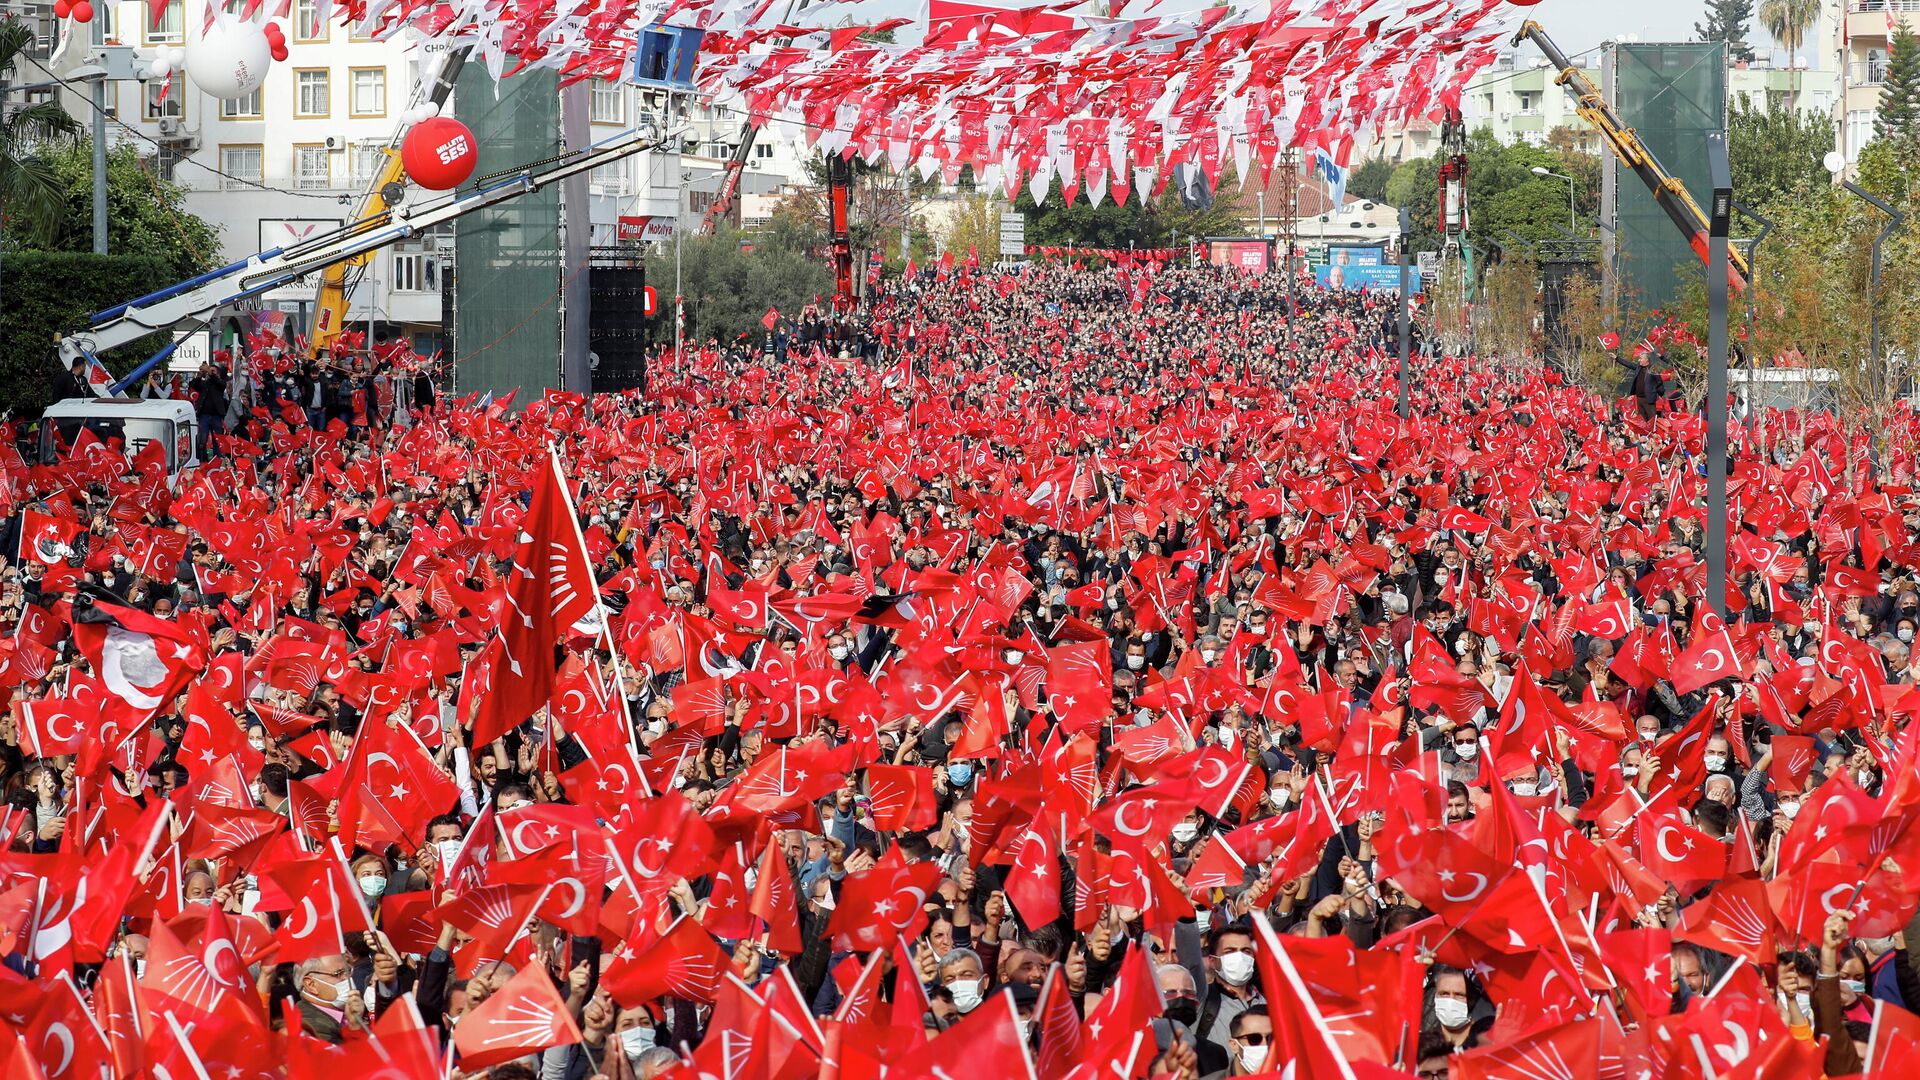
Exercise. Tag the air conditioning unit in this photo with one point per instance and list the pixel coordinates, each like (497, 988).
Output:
(335, 142)
(171, 127)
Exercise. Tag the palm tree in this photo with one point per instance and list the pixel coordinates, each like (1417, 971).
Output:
(1789, 21)
(32, 198)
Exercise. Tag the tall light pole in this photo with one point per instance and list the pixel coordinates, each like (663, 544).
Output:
(1406, 241)
(1719, 215)
(1572, 187)
(679, 226)
(1836, 164)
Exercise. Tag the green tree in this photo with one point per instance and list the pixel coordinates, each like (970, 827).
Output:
(1369, 179)
(1503, 194)
(1899, 116)
(1163, 222)
(1727, 21)
(146, 215)
(1774, 153)
(731, 278)
(974, 223)
(1789, 22)
(30, 203)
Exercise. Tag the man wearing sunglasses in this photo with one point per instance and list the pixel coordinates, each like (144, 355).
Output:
(1252, 1043)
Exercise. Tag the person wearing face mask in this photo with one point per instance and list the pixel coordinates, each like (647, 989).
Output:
(964, 976)
(370, 874)
(1839, 985)
(1249, 1044)
(328, 1000)
(1185, 832)
(1232, 988)
(1451, 1000)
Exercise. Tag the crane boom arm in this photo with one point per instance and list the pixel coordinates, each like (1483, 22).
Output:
(196, 300)
(1667, 190)
(730, 184)
(330, 300)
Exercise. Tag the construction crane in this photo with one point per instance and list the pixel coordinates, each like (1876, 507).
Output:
(722, 204)
(196, 301)
(388, 188)
(1666, 189)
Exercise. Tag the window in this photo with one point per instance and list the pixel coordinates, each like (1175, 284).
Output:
(156, 108)
(312, 167)
(609, 102)
(241, 164)
(366, 160)
(369, 91)
(763, 150)
(1524, 100)
(610, 179)
(1859, 131)
(309, 21)
(171, 29)
(243, 108)
(312, 93)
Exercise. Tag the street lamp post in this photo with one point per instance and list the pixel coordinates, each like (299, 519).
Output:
(1406, 241)
(1572, 185)
(1836, 163)
(1719, 215)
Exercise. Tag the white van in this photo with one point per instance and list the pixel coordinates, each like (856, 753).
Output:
(134, 421)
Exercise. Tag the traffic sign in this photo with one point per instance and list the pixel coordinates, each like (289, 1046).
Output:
(649, 301)
(1013, 232)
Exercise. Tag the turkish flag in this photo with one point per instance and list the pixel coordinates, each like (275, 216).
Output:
(551, 587)
(1034, 882)
(524, 1016)
(880, 905)
(1711, 657)
(52, 726)
(47, 539)
(1674, 852)
(142, 661)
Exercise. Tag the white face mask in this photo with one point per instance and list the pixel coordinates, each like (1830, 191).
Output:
(1014, 656)
(966, 993)
(636, 1041)
(448, 851)
(1253, 1058)
(1716, 762)
(1135, 663)
(657, 725)
(1208, 656)
(1450, 1012)
(1236, 969)
(839, 652)
(1185, 831)
(1466, 751)
(1863, 777)
(1790, 808)
(1524, 788)
(1279, 796)
(1804, 1002)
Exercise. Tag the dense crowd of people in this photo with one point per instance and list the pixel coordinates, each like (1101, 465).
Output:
(1057, 673)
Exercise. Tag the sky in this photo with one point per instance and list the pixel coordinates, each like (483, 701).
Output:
(1578, 25)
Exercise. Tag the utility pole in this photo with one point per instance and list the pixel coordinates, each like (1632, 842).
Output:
(1719, 215)
(1406, 241)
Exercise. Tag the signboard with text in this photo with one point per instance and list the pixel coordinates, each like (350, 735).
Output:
(1013, 233)
(644, 227)
(1249, 255)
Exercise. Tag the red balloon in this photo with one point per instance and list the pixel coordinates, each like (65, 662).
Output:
(83, 12)
(61, 9)
(273, 32)
(439, 153)
(277, 50)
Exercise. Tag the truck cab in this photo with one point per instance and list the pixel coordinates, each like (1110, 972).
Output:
(134, 422)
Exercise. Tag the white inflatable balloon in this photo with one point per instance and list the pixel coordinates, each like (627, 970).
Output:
(160, 68)
(231, 60)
